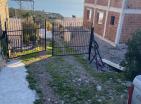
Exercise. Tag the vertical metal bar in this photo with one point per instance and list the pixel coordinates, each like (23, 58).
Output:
(91, 41)
(21, 42)
(7, 50)
(45, 36)
(52, 39)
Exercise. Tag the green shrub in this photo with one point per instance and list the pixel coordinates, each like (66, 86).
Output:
(30, 32)
(48, 26)
(133, 56)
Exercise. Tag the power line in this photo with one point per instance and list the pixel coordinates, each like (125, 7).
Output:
(21, 2)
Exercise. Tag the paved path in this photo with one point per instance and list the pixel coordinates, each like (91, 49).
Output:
(13, 85)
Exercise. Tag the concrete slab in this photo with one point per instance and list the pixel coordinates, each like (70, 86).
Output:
(14, 86)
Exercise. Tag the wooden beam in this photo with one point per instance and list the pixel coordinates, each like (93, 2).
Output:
(117, 66)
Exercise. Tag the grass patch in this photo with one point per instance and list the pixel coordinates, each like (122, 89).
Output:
(34, 86)
(102, 76)
(63, 85)
(65, 81)
(27, 52)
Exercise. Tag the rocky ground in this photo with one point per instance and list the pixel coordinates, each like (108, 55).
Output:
(111, 53)
(72, 80)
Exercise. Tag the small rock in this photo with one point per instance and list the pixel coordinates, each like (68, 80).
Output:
(99, 100)
(125, 90)
(119, 81)
(122, 96)
(80, 79)
(89, 100)
(62, 102)
(111, 78)
(124, 84)
(87, 81)
(98, 88)
(49, 99)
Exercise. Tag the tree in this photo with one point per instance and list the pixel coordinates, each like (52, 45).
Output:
(26, 15)
(30, 32)
(133, 56)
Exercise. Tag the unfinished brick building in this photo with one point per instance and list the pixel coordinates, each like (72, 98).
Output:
(114, 20)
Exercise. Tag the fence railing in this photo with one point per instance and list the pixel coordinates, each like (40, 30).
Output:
(4, 45)
(70, 38)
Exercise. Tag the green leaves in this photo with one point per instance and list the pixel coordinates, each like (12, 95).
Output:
(133, 56)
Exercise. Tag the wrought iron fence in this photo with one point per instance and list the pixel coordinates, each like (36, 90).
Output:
(24, 38)
(3, 45)
(27, 41)
(70, 38)
(62, 37)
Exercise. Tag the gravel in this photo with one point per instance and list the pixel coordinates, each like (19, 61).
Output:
(111, 53)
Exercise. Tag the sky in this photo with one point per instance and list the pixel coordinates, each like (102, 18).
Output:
(65, 7)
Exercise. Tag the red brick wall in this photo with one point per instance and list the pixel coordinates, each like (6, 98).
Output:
(99, 28)
(130, 25)
(102, 2)
(90, 1)
(111, 30)
(134, 4)
(116, 3)
(86, 22)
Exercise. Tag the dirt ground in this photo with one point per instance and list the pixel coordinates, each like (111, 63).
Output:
(72, 80)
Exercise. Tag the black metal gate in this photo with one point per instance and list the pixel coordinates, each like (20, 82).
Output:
(27, 40)
(73, 38)
(3, 45)
(70, 38)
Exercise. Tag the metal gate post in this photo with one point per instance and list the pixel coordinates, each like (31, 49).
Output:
(45, 35)
(6, 38)
(52, 39)
(91, 41)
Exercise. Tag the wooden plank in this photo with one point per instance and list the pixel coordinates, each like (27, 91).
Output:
(117, 66)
